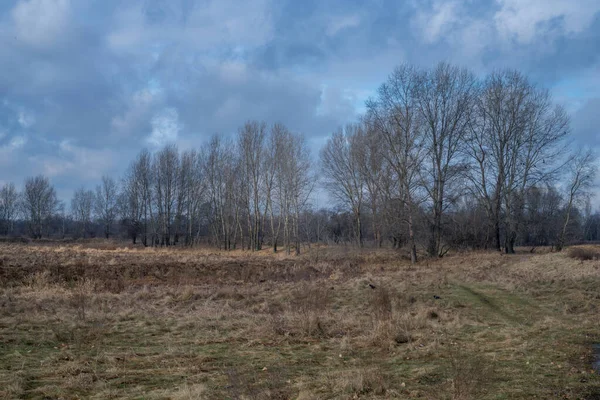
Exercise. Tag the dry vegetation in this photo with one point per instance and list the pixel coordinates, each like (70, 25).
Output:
(83, 321)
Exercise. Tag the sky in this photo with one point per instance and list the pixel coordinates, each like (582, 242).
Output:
(85, 85)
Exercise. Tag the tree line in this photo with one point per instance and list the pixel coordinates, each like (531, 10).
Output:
(439, 146)
(234, 193)
(441, 159)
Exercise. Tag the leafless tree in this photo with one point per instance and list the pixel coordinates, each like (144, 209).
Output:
(446, 97)
(166, 169)
(221, 173)
(105, 204)
(145, 180)
(582, 172)
(513, 144)
(372, 169)
(82, 205)
(61, 212)
(251, 139)
(294, 185)
(191, 193)
(342, 160)
(301, 181)
(136, 197)
(395, 115)
(131, 204)
(274, 154)
(9, 206)
(39, 203)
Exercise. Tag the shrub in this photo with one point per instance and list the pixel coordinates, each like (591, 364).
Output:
(584, 253)
(381, 303)
(310, 304)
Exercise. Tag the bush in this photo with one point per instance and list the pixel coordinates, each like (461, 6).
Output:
(381, 303)
(584, 253)
(310, 304)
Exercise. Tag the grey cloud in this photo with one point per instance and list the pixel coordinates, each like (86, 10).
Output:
(83, 91)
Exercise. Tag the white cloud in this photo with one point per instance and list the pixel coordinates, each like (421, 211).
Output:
(40, 23)
(233, 72)
(340, 23)
(74, 161)
(17, 142)
(230, 108)
(165, 127)
(85, 162)
(9, 153)
(433, 23)
(512, 23)
(232, 23)
(140, 105)
(26, 120)
(522, 20)
(247, 23)
(338, 103)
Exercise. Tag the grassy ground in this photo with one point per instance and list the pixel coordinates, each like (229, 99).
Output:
(109, 322)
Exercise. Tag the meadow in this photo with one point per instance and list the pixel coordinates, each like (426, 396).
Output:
(101, 320)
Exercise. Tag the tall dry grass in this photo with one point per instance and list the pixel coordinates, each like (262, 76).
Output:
(338, 324)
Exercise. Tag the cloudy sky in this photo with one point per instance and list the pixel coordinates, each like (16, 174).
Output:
(84, 85)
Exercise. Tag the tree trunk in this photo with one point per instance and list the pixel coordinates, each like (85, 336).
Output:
(359, 230)
(561, 240)
(497, 233)
(510, 242)
(413, 246)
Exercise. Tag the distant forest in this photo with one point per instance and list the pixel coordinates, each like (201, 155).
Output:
(441, 160)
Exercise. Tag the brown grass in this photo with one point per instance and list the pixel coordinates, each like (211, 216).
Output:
(95, 320)
(584, 253)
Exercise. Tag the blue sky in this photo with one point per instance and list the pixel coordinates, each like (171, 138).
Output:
(86, 84)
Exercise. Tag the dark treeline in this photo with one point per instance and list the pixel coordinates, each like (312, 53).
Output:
(441, 160)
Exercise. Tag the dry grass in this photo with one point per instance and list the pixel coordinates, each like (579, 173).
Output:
(100, 320)
(584, 253)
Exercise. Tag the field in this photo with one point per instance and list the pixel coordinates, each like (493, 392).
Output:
(101, 321)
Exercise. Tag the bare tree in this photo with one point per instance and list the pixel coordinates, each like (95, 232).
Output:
(39, 203)
(536, 156)
(274, 154)
(61, 212)
(82, 205)
(342, 160)
(446, 98)
(372, 169)
(191, 192)
(9, 206)
(165, 167)
(221, 173)
(145, 181)
(582, 172)
(394, 114)
(105, 204)
(136, 205)
(251, 138)
(299, 181)
(513, 144)
(131, 204)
